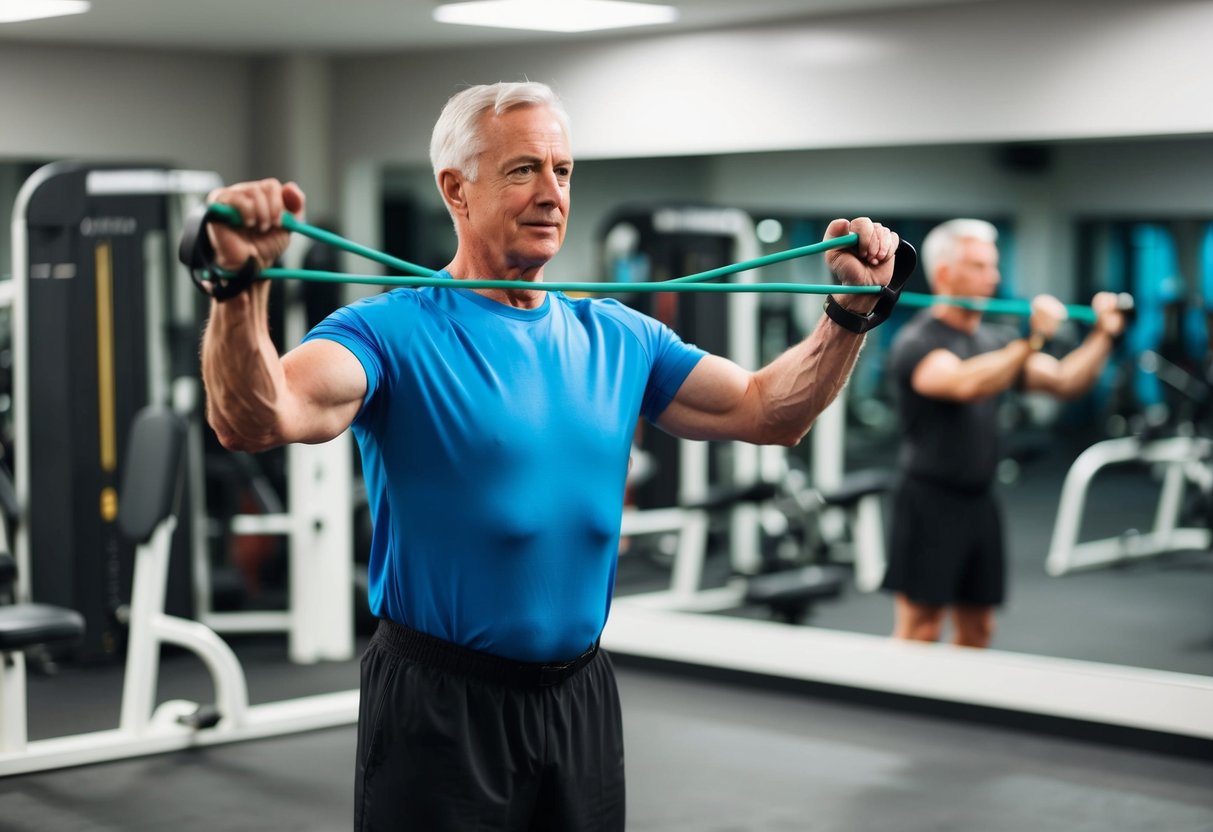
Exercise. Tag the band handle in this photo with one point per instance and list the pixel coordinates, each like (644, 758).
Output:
(904, 262)
(198, 255)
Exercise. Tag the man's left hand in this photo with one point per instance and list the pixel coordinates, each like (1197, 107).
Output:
(1108, 317)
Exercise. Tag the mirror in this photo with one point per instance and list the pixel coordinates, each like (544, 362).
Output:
(1076, 217)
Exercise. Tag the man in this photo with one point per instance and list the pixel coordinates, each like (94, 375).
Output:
(494, 428)
(946, 547)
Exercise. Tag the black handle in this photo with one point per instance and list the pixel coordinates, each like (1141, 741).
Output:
(904, 262)
(198, 255)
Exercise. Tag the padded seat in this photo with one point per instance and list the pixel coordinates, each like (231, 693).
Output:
(24, 625)
(855, 486)
(790, 593)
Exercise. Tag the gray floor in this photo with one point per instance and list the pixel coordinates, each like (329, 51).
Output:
(702, 757)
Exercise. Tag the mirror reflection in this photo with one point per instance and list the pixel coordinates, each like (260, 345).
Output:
(1107, 497)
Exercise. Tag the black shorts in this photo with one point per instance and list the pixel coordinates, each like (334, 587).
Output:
(946, 546)
(451, 739)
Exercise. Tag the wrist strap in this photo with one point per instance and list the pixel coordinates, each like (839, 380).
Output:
(197, 253)
(904, 263)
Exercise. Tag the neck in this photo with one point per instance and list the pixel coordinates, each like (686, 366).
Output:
(465, 267)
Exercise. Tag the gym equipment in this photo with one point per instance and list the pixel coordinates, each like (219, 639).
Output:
(1008, 306)
(800, 560)
(23, 626)
(151, 490)
(1184, 459)
(195, 252)
(92, 267)
(94, 320)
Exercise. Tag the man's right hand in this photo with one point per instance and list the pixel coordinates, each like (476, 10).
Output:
(262, 236)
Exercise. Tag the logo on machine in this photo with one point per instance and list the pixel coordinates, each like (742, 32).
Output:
(108, 226)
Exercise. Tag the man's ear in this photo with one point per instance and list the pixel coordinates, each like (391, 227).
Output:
(941, 280)
(450, 184)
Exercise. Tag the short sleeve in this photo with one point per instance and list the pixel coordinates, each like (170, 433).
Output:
(673, 359)
(351, 328)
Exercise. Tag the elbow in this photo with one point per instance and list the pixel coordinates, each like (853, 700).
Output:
(232, 440)
(971, 393)
(787, 436)
(235, 442)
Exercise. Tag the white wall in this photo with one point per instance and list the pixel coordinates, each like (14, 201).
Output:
(189, 111)
(980, 72)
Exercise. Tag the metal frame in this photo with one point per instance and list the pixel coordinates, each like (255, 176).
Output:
(1183, 459)
(144, 728)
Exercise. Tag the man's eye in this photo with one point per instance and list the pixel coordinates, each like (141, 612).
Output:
(523, 169)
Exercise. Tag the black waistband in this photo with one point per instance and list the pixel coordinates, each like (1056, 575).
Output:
(430, 651)
(960, 489)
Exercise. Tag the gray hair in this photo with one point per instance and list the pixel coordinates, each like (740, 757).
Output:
(942, 244)
(457, 139)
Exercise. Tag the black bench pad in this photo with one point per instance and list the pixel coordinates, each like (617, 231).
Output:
(24, 625)
(808, 583)
(858, 485)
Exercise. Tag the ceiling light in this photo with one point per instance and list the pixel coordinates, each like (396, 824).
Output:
(555, 15)
(16, 11)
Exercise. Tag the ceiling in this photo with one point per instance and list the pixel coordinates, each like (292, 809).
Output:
(351, 26)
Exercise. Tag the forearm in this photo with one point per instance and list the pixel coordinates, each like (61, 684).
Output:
(942, 376)
(1080, 369)
(243, 374)
(995, 372)
(796, 387)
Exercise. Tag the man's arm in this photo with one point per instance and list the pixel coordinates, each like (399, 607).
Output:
(942, 374)
(1077, 372)
(255, 399)
(779, 403)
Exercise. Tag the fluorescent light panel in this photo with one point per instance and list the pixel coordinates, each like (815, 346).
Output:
(555, 15)
(18, 11)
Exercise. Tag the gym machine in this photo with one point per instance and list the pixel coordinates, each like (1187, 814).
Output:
(150, 493)
(104, 322)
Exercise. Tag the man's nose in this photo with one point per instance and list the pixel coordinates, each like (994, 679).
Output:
(548, 187)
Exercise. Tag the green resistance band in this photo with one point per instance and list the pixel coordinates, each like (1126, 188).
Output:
(994, 306)
(417, 276)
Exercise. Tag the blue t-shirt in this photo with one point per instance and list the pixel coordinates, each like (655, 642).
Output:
(495, 448)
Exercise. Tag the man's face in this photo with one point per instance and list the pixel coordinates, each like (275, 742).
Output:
(519, 204)
(974, 272)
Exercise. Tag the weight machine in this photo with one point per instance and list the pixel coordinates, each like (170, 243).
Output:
(104, 322)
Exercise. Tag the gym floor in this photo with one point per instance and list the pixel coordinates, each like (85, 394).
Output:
(703, 756)
(718, 755)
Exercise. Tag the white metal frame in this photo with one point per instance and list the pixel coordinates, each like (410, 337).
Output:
(1183, 459)
(143, 727)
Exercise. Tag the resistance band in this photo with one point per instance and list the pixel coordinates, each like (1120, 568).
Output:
(1006, 306)
(195, 252)
(416, 276)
